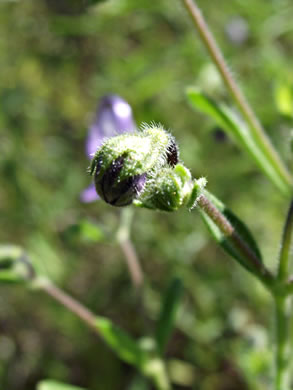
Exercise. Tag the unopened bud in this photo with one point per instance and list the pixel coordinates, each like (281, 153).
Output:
(116, 191)
(143, 167)
(124, 164)
(171, 189)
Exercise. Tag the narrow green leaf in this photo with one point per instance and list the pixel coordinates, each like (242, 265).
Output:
(240, 228)
(141, 354)
(286, 244)
(125, 347)
(168, 313)
(50, 384)
(243, 232)
(235, 127)
(208, 106)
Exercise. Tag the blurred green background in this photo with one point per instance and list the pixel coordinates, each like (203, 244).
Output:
(57, 58)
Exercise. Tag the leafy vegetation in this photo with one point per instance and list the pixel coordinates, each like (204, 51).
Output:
(57, 59)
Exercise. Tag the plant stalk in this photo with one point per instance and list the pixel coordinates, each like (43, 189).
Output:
(283, 310)
(283, 341)
(128, 249)
(67, 301)
(283, 269)
(227, 229)
(257, 131)
(88, 317)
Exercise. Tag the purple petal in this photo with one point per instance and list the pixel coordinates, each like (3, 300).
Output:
(113, 117)
(89, 194)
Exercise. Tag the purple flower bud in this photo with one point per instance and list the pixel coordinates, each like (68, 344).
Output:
(115, 191)
(113, 117)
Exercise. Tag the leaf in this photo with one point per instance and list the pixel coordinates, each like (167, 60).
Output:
(49, 384)
(243, 232)
(168, 313)
(227, 242)
(230, 122)
(143, 354)
(125, 347)
(208, 106)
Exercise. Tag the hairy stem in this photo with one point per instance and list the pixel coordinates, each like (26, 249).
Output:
(257, 131)
(228, 231)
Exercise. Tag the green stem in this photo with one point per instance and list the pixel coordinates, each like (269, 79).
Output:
(285, 246)
(226, 228)
(282, 352)
(283, 310)
(256, 129)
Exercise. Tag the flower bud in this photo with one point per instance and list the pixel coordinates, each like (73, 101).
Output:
(124, 164)
(115, 191)
(171, 189)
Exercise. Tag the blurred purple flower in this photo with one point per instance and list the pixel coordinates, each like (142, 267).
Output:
(113, 117)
